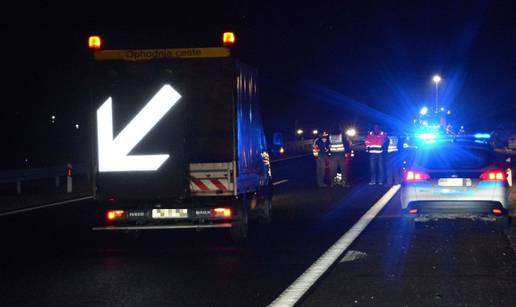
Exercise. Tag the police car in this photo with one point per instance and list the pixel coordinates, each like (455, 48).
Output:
(458, 177)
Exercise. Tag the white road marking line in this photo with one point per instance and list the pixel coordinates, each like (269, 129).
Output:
(303, 283)
(46, 206)
(352, 256)
(280, 182)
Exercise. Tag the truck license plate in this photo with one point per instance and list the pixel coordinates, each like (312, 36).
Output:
(169, 213)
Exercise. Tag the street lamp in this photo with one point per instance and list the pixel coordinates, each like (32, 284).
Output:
(299, 131)
(315, 131)
(423, 111)
(436, 80)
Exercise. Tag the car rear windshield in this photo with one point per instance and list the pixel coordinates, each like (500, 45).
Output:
(454, 157)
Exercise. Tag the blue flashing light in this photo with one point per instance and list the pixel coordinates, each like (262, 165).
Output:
(482, 135)
(426, 136)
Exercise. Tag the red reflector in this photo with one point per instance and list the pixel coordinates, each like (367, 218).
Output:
(412, 211)
(221, 212)
(411, 176)
(497, 211)
(493, 175)
(114, 214)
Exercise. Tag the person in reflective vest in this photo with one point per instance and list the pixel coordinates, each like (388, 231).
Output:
(338, 149)
(392, 161)
(321, 150)
(374, 142)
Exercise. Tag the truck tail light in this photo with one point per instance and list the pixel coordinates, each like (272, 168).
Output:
(114, 214)
(221, 212)
(415, 176)
(493, 175)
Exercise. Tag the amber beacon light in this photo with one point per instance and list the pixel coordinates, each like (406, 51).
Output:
(94, 42)
(228, 39)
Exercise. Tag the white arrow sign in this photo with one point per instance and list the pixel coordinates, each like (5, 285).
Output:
(114, 153)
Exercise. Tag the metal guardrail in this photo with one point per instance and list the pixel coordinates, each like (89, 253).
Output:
(67, 170)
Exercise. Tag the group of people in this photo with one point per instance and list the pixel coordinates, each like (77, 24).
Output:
(333, 152)
(385, 157)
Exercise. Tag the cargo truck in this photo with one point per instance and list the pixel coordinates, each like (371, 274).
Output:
(178, 141)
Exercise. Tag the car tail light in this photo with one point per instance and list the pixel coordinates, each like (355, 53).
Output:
(114, 214)
(493, 175)
(497, 211)
(412, 211)
(221, 212)
(414, 176)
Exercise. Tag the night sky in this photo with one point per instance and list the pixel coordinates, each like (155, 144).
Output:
(321, 62)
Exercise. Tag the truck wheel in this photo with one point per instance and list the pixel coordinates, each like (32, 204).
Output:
(240, 225)
(265, 216)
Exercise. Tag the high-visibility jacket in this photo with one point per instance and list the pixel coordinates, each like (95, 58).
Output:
(336, 143)
(393, 144)
(375, 142)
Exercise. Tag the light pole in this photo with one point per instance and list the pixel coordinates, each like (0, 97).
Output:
(436, 80)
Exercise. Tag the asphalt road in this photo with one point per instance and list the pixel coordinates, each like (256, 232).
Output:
(51, 257)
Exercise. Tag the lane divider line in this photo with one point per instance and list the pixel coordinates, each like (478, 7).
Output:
(46, 206)
(303, 283)
(280, 182)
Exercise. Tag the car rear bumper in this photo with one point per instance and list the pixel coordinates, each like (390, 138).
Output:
(471, 196)
(455, 207)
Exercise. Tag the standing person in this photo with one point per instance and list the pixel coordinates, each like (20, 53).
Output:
(348, 158)
(392, 160)
(337, 159)
(374, 142)
(321, 149)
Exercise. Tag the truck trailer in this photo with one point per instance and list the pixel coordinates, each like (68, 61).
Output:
(178, 141)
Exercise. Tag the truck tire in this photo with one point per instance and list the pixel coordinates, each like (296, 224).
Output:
(240, 224)
(265, 215)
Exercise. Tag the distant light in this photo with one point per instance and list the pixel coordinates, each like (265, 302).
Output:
(77, 126)
(228, 39)
(448, 112)
(94, 42)
(53, 117)
(315, 131)
(423, 111)
(437, 79)
(482, 135)
(299, 131)
(442, 109)
(351, 132)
